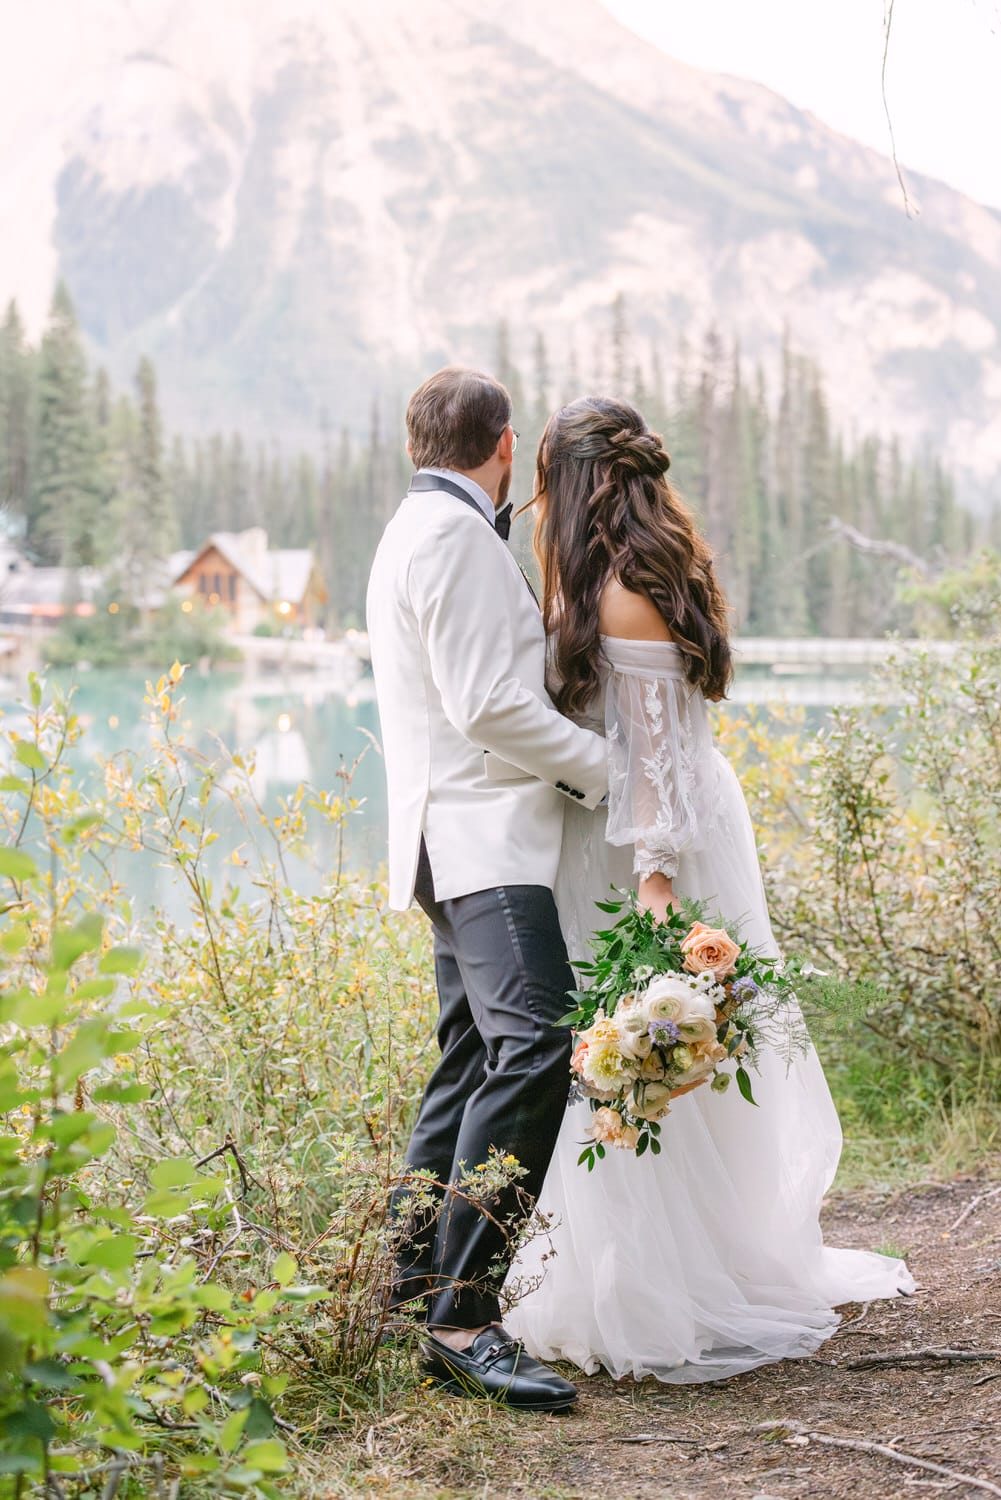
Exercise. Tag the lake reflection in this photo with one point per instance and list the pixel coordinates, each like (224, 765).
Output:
(303, 728)
(298, 729)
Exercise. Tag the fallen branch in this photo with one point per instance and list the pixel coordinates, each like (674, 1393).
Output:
(882, 1450)
(653, 1437)
(972, 1207)
(877, 547)
(852, 1321)
(923, 1356)
(643, 1437)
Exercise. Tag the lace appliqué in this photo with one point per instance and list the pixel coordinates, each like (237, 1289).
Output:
(663, 776)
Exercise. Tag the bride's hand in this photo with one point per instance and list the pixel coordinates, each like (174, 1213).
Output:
(656, 894)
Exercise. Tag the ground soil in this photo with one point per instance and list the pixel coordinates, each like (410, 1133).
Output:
(653, 1442)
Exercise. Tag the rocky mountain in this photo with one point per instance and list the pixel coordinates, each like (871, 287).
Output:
(294, 204)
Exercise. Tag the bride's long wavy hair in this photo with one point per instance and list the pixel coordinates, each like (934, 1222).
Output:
(605, 510)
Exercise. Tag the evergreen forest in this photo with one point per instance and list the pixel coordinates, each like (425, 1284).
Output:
(90, 477)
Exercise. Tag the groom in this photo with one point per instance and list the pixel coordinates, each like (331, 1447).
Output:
(478, 763)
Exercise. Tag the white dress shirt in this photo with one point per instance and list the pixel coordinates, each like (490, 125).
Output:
(476, 491)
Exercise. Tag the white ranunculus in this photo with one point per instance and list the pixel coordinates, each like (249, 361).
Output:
(672, 998)
(631, 1028)
(666, 999)
(698, 1029)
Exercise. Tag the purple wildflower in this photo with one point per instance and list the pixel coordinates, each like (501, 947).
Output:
(744, 989)
(663, 1033)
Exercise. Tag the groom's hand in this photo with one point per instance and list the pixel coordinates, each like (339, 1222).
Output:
(656, 894)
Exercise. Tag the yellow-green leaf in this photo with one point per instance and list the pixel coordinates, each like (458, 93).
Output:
(29, 755)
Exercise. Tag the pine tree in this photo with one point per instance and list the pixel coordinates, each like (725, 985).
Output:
(789, 492)
(238, 506)
(180, 482)
(541, 384)
(147, 523)
(16, 385)
(572, 385)
(64, 518)
(506, 370)
(619, 349)
(102, 401)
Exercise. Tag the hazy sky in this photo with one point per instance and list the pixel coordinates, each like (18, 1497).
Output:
(943, 72)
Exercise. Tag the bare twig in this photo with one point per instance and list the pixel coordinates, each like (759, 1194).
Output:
(883, 1450)
(887, 27)
(246, 1177)
(852, 1321)
(114, 1479)
(973, 1205)
(924, 1357)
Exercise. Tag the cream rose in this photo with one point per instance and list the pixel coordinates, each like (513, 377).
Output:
(710, 949)
(705, 1057)
(649, 1101)
(653, 1069)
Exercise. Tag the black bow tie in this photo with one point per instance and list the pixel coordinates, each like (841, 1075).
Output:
(502, 522)
(422, 482)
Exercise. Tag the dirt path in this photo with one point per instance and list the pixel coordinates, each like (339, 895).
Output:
(652, 1442)
(948, 1414)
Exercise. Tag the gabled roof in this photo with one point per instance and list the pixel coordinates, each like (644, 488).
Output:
(280, 573)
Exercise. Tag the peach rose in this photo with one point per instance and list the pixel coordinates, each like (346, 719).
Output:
(710, 949)
(607, 1126)
(577, 1061)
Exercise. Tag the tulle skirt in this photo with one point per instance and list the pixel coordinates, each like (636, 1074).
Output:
(708, 1260)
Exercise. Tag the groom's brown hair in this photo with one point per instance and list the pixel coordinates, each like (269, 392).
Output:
(455, 419)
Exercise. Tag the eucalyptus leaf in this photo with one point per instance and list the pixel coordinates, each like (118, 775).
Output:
(744, 1085)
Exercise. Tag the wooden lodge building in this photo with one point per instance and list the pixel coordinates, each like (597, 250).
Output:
(254, 583)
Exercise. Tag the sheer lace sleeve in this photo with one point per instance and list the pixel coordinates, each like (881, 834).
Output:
(661, 767)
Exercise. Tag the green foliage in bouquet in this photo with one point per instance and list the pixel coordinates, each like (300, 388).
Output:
(751, 999)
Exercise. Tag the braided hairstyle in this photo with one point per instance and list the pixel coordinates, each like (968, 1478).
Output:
(605, 510)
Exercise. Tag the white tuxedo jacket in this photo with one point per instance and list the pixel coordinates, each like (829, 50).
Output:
(474, 748)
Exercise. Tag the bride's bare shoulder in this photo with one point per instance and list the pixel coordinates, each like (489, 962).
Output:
(629, 616)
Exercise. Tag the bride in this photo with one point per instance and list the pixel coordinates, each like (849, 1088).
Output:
(707, 1260)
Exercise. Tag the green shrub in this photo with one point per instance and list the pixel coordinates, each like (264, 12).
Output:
(127, 638)
(196, 1143)
(882, 846)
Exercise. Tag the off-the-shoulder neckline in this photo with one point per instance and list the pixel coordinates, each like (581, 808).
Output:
(628, 640)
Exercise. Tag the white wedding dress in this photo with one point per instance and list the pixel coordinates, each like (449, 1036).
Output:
(707, 1260)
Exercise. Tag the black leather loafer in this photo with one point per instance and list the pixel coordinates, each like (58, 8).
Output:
(496, 1366)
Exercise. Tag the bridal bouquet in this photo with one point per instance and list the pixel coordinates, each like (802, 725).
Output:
(670, 1004)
